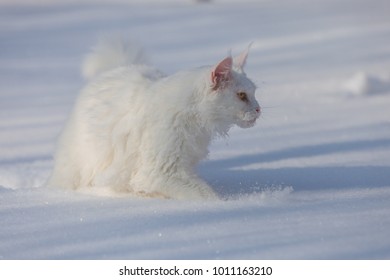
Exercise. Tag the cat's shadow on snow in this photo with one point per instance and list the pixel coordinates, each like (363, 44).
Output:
(228, 180)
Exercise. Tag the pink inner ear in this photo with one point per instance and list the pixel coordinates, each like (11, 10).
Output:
(221, 71)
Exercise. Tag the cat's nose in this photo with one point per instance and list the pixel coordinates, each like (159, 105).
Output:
(258, 109)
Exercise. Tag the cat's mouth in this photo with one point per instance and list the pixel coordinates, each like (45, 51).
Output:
(249, 119)
(247, 123)
(252, 122)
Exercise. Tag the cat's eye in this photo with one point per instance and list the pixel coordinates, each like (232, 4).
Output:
(242, 96)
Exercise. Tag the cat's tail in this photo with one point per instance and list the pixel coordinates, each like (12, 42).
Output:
(111, 52)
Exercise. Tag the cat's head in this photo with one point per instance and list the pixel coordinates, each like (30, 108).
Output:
(234, 92)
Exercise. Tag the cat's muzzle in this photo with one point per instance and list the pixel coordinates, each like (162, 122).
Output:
(249, 118)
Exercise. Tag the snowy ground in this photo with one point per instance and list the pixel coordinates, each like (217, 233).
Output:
(310, 181)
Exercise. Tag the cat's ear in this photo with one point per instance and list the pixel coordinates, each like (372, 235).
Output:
(240, 60)
(221, 72)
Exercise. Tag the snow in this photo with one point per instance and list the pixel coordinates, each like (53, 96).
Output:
(362, 83)
(310, 181)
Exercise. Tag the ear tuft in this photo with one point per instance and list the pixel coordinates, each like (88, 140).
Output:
(240, 60)
(221, 72)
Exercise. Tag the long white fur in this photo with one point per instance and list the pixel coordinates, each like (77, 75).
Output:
(135, 130)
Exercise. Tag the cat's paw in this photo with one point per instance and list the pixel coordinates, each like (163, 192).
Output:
(197, 193)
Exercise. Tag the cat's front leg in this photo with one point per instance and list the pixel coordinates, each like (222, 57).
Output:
(175, 183)
(188, 189)
(196, 192)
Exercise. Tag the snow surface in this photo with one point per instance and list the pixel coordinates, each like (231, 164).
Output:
(310, 181)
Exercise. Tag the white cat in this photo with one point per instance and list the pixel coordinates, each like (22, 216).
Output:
(135, 130)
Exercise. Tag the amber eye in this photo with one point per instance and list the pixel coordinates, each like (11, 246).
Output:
(242, 96)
